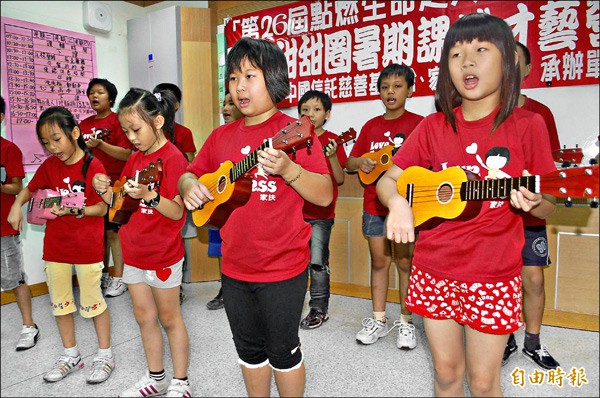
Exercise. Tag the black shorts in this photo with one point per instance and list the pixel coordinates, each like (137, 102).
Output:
(264, 320)
(535, 251)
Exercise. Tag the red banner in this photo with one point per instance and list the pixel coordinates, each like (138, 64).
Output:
(339, 47)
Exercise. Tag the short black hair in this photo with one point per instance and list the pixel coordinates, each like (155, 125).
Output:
(2, 105)
(266, 56)
(525, 51)
(108, 86)
(396, 70)
(169, 87)
(321, 96)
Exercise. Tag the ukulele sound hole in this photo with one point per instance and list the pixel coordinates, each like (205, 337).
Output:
(385, 158)
(221, 184)
(445, 193)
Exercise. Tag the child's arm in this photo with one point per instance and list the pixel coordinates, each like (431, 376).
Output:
(193, 193)
(365, 164)
(336, 167)
(101, 184)
(15, 216)
(534, 203)
(115, 151)
(170, 208)
(313, 187)
(400, 221)
(13, 187)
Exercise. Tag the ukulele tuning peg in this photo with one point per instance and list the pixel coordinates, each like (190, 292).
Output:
(568, 202)
(594, 204)
(294, 151)
(565, 165)
(309, 144)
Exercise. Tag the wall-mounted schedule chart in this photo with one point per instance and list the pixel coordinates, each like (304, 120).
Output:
(42, 67)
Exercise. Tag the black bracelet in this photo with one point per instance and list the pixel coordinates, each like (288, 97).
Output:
(100, 193)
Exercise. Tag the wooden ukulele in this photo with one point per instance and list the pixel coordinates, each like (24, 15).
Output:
(383, 157)
(455, 194)
(101, 134)
(122, 206)
(343, 138)
(42, 200)
(231, 184)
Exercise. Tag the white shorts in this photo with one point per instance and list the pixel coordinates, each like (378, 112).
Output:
(165, 278)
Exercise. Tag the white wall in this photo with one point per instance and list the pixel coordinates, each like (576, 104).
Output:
(112, 61)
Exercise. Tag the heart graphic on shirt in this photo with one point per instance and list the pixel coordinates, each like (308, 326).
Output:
(245, 150)
(472, 149)
(163, 274)
(387, 134)
(67, 180)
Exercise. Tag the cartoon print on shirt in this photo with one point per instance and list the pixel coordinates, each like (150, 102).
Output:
(78, 186)
(397, 140)
(495, 159)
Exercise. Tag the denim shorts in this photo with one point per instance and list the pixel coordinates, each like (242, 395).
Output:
(164, 278)
(373, 225)
(12, 262)
(264, 319)
(535, 250)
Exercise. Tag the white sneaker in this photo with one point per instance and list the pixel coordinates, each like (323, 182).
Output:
(63, 366)
(406, 335)
(179, 388)
(372, 331)
(146, 387)
(116, 287)
(29, 336)
(101, 369)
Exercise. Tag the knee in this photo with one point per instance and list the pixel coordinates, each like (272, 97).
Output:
(319, 268)
(482, 385)
(449, 374)
(168, 320)
(533, 283)
(286, 360)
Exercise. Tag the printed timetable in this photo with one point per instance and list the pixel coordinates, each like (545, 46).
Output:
(42, 67)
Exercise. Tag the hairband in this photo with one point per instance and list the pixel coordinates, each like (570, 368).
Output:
(158, 96)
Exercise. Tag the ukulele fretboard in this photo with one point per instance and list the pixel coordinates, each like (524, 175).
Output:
(240, 168)
(495, 189)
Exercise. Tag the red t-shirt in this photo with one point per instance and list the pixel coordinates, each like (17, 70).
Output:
(265, 240)
(150, 240)
(184, 140)
(375, 134)
(541, 109)
(116, 136)
(11, 161)
(68, 239)
(312, 211)
(488, 247)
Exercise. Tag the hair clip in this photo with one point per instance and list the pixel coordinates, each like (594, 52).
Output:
(158, 96)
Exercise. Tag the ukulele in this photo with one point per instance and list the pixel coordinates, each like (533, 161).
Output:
(122, 206)
(231, 184)
(42, 200)
(454, 193)
(383, 157)
(343, 138)
(101, 134)
(568, 156)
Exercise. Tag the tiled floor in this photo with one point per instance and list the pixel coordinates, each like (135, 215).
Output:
(336, 364)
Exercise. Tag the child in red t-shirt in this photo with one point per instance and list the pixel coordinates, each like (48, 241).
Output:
(466, 274)
(103, 135)
(153, 249)
(265, 241)
(73, 238)
(13, 275)
(317, 106)
(395, 85)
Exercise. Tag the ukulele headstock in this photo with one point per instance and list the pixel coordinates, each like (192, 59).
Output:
(294, 135)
